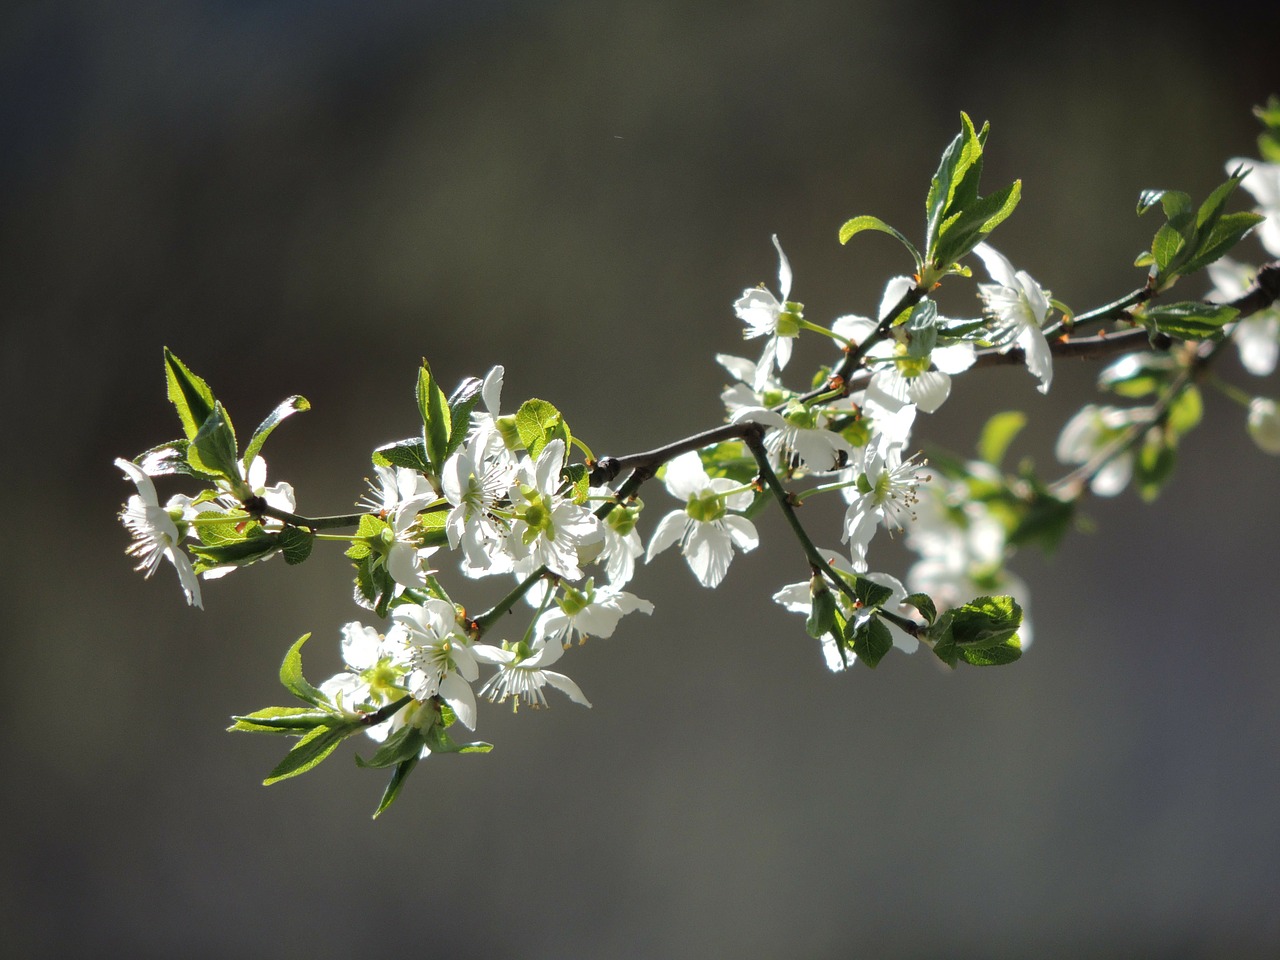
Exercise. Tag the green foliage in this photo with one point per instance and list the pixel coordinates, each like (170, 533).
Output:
(295, 544)
(1138, 375)
(957, 217)
(970, 632)
(288, 408)
(310, 751)
(437, 422)
(538, 423)
(871, 641)
(998, 433)
(189, 394)
(291, 675)
(1269, 139)
(857, 225)
(1189, 320)
(1190, 239)
(411, 453)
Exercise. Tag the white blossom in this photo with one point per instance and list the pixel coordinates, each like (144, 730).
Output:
(798, 598)
(588, 612)
(1264, 425)
(155, 531)
(1263, 181)
(962, 555)
(795, 437)
(373, 678)
(706, 532)
(1019, 307)
(1088, 433)
(522, 673)
(768, 316)
(1257, 337)
(885, 493)
(548, 528)
(441, 659)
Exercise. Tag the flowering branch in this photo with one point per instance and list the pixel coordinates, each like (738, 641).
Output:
(502, 494)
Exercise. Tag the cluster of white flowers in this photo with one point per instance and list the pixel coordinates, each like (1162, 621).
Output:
(911, 364)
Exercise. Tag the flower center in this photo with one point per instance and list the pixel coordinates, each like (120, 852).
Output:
(706, 507)
(536, 513)
(789, 318)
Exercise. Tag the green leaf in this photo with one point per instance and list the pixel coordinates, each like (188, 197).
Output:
(213, 449)
(857, 225)
(283, 720)
(462, 401)
(1174, 202)
(579, 481)
(437, 423)
(1045, 519)
(369, 530)
(872, 641)
(1138, 374)
(956, 160)
(440, 742)
(292, 678)
(538, 423)
(188, 393)
(1226, 232)
(295, 544)
(971, 226)
(996, 656)
(238, 553)
(286, 409)
(985, 622)
(411, 453)
(1166, 245)
(872, 595)
(405, 744)
(1154, 464)
(923, 603)
(308, 752)
(1186, 411)
(1190, 319)
(398, 777)
(1269, 139)
(998, 433)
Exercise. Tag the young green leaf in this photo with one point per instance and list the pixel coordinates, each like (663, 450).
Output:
(1190, 319)
(398, 777)
(295, 544)
(852, 228)
(283, 720)
(289, 407)
(411, 453)
(293, 680)
(213, 448)
(405, 744)
(538, 423)
(872, 641)
(437, 423)
(998, 433)
(188, 393)
(308, 752)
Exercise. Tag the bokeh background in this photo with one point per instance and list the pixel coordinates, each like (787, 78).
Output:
(308, 197)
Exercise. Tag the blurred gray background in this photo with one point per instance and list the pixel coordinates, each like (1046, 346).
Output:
(308, 197)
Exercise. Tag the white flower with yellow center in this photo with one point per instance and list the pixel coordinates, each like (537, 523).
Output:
(156, 532)
(705, 530)
(768, 316)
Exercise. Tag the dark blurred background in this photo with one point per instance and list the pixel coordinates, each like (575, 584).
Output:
(308, 197)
